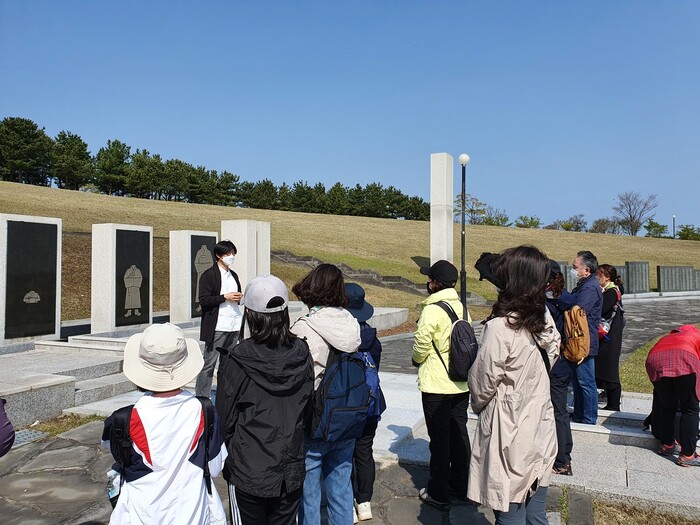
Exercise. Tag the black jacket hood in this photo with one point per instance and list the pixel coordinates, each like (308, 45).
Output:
(280, 371)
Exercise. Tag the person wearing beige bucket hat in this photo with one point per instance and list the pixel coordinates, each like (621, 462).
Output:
(163, 478)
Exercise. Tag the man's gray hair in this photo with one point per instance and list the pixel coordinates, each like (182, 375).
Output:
(589, 260)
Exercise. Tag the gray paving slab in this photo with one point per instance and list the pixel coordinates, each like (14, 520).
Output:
(580, 509)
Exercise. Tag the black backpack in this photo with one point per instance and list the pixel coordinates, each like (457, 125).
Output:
(120, 441)
(463, 345)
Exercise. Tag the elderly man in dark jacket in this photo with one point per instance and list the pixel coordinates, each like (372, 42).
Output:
(589, 297)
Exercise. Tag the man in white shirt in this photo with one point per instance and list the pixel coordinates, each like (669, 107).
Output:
(219, 296)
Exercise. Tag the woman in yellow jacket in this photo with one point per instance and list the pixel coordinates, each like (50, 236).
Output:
(445, 402)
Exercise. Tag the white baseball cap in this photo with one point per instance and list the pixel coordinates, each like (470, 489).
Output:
(266, 294)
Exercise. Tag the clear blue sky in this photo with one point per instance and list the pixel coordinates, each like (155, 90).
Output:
(561, 105)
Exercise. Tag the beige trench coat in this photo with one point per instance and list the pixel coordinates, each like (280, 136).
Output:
(515, 443)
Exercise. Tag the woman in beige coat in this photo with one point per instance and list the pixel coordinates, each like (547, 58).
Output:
(515, 443)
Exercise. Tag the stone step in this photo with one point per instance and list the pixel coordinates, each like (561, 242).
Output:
(105, 407)
(97, 342)
(97, 389)
(63, 359)
(36, 397)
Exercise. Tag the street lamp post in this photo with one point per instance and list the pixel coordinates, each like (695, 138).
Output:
(463, 160)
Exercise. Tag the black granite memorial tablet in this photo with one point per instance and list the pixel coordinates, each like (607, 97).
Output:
(30, 297)
(133, 273)
(201, 259)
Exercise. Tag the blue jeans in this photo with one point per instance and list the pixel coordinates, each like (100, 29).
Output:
(532, 512)
(334, 462)
(585, 392)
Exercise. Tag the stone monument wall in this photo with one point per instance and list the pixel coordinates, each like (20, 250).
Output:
(191, 253)
(30, 278)
(122, 277)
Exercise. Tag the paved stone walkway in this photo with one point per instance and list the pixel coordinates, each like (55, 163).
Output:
(62, 480)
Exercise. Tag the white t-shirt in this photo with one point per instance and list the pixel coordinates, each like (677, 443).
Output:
(230, 316)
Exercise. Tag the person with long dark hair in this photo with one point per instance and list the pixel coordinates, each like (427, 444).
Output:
(328, 324)
(607, 364)
(515, 443)
(264, 384)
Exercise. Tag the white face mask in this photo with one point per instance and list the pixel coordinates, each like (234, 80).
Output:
(574, 273)
(228, 260)
(549, 294)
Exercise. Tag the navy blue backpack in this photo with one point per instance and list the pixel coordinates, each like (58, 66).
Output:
(377, 403)
(340, 405)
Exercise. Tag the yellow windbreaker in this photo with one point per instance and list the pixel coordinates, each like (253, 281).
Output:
(435, 325)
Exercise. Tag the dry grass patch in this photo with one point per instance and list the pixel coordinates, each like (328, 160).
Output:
(607, 513)
(64, 423)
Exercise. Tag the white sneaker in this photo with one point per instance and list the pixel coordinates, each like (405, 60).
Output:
(354, 515)
(364, 511)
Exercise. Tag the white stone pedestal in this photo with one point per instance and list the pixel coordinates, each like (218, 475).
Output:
(30, 278)
(122, 277)
(441, 207)
(191, 253)
(252, 240)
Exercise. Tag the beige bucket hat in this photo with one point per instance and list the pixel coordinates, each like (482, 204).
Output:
(160, 358)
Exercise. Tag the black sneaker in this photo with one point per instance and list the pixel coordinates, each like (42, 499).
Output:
(429, 500)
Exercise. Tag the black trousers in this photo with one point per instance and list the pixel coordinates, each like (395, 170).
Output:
(670, 393)
(450, 450)
(559, 390)
(613, 391)
(247, 509)
(363, 464)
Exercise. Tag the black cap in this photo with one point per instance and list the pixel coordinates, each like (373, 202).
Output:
(442, 271)
(483, 265)
(554, 266)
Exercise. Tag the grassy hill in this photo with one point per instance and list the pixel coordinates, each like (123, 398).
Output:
(391, 247)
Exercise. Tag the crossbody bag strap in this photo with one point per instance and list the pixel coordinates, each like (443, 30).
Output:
(208, 412)
(453, 318)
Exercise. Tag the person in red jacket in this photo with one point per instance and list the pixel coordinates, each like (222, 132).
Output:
(673, 366)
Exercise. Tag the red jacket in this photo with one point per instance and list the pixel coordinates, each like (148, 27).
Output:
(676, 354)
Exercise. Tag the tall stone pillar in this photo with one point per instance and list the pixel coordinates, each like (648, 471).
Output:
(252, 240)
(441, 207)
(122, 277)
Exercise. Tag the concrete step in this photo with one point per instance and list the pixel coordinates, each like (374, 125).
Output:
(105, 407)
(63, 359)
(97, 389)
(36, 397)
(97, 342)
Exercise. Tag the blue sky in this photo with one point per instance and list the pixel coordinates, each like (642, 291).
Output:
(561, 105)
